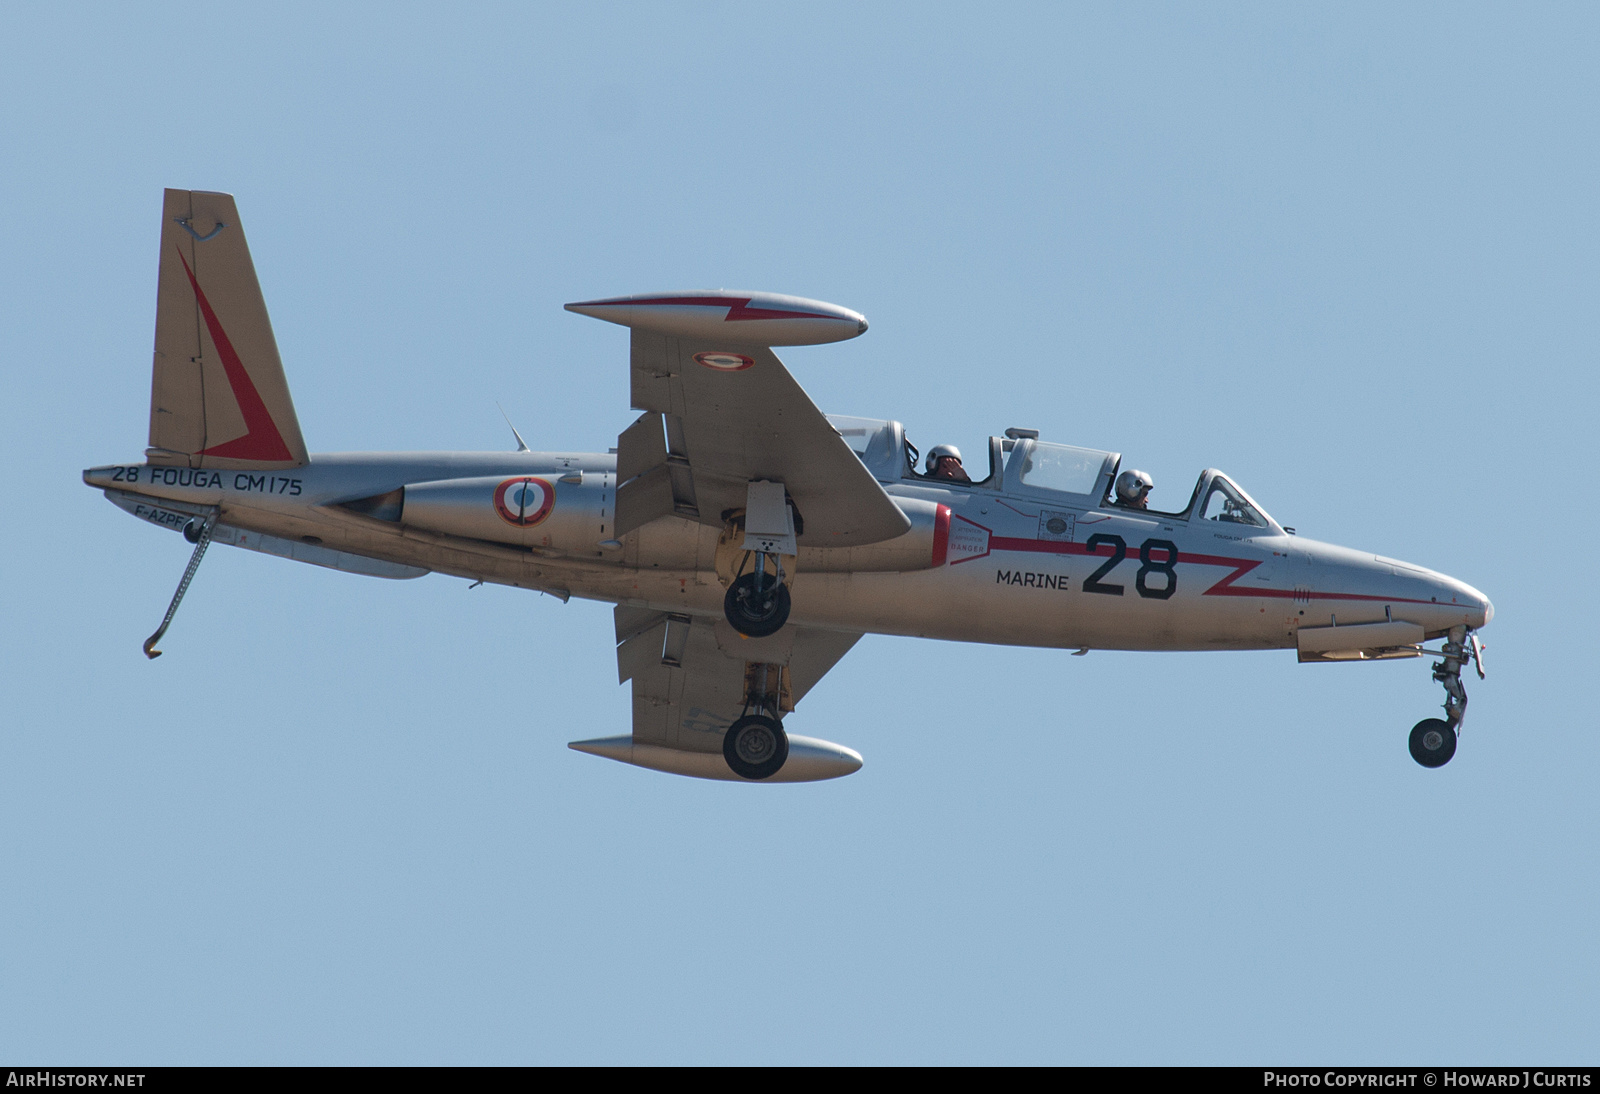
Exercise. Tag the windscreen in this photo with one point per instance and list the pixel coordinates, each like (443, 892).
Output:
(1225, 505)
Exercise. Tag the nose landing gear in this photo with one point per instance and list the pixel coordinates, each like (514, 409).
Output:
(1433, 740)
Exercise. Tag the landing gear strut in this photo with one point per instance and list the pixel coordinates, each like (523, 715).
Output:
(1433, 740)
(756, 746)
(757, 601)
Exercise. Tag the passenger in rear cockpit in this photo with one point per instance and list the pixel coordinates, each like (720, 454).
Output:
(1133, 490)
(944, 462)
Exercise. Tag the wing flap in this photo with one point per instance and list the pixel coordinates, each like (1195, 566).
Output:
(653, 484)
(688, 706)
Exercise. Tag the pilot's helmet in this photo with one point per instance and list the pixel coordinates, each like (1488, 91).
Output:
(1133, 485)
(938, 452)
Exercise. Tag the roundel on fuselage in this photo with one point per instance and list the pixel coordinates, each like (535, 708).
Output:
(524, 502)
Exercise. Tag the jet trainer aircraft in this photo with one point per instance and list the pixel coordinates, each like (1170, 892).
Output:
(747, 539)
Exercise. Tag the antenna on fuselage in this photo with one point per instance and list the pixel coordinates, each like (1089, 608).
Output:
(522, 445)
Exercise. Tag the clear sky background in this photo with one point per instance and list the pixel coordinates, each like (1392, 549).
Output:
(1346, 253)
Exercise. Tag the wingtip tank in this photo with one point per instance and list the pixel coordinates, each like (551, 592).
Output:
(751, 318)
(810, 759)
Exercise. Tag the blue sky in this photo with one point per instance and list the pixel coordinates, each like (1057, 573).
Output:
(1346, 254)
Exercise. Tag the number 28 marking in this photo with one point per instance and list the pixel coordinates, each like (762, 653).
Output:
(1167, 567)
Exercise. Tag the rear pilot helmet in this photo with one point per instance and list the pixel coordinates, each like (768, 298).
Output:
(1133, 486)
(938, 452)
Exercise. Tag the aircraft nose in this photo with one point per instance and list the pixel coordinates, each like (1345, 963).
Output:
(1466, 594)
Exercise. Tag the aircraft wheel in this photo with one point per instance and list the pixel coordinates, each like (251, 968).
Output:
(755, 746)
(1433, 742)
(753, 614)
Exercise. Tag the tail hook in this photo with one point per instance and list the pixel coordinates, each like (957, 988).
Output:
(202, 540)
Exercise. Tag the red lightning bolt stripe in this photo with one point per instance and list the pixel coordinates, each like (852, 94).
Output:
(738, 309)
(261, 441)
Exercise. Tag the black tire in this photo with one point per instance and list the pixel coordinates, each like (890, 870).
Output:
(1433, 742)
(755, 746)
(753, 614)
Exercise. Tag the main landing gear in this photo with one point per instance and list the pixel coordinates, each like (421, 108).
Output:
(1433, 740)
(751, 553)
(757, 603)
(756, 746)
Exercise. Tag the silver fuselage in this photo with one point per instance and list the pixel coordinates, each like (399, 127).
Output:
(1003, 575)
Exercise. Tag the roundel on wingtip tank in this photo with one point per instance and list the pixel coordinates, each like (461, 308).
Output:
(740, 318)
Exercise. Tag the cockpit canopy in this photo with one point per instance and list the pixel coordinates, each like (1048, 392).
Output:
(1227, 504)
(1021, 464)
(1037, 466)
(877, 443)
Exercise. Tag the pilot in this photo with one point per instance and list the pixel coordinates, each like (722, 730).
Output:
(1133, 490)
(944, 462)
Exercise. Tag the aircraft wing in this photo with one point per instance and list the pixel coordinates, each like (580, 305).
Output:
(688, 672)
(722, 411)
(688, 676)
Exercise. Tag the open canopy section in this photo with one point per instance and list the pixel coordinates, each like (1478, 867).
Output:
(1018, 462)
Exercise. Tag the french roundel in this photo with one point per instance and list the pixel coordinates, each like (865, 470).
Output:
(524, 502)
(724, 362)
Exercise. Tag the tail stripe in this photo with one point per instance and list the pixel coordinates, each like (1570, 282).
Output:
(262, 441)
